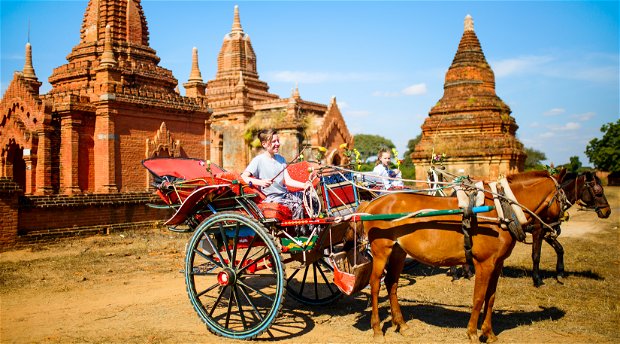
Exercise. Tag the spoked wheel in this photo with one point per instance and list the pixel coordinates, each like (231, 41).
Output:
(312, 284)
(237, 289)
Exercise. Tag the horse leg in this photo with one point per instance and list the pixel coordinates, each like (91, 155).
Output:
(481, 284)
(394, 269)
(380, 255)
(537, 238)
(559, 251)
(487, 327)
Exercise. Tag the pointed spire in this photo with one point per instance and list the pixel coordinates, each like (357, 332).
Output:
(469, 23)
(333, 101)
(107, 58)
(295, 93)
(236, 27)
(194, 75)
(28, 68)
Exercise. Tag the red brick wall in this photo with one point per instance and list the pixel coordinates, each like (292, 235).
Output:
(132, 140)
(9, 195)
(57, 212)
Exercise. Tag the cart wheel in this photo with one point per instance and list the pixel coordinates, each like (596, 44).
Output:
(312, 284)
(236, 289)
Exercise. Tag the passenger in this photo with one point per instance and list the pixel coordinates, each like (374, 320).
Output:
(382, 169)
(268, 171)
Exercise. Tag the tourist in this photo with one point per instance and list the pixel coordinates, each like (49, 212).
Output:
(268, 172)
(390, 178)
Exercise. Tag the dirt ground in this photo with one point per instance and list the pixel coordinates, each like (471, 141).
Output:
(127, 288)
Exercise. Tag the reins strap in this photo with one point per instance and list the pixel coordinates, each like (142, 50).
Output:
(469, 218)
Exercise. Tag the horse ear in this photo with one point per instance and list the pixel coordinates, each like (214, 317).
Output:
(562, 174)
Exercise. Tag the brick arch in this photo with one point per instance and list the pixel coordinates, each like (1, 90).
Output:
(13, 163)
(18, 130)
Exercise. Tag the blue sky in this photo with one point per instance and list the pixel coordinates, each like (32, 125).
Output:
(556, 63)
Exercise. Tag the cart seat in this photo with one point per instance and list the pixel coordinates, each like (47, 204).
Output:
(276, 211)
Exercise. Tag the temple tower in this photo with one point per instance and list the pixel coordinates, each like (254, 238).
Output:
(111, 106)
(470, 123)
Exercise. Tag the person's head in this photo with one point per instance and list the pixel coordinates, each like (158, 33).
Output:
(269, 140)
(384, 156)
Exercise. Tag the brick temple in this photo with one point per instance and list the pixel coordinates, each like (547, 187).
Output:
(470, 123)
(112, 105)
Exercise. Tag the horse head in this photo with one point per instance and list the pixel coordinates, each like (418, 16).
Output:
(586, 189)
(539, 193)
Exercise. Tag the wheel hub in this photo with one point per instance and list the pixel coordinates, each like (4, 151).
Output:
(226, 277)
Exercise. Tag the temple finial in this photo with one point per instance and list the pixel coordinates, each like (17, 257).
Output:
(107, 58)
(236, 21)
(296, 92)
(469, 23)
(194, 75)
(28, 68)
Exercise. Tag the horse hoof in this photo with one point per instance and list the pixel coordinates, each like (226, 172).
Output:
(406, 332)
(473, 338)
(491, 339)
(378, 338)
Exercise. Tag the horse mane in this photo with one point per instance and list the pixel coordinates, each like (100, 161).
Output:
(527, 175)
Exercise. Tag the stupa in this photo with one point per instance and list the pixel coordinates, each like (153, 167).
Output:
(470, 124)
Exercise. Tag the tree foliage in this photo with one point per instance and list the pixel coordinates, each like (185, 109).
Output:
(534, 158)
(574, 164)
(410, 148)
(604, 153)
(369, 145)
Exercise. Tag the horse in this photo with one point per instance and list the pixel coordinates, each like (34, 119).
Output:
(584, 189)
(439, 241)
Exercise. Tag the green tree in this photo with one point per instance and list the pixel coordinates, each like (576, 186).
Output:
(574, 165)
(410, 148)
(369, 145)
(534, 158)
(605, 153)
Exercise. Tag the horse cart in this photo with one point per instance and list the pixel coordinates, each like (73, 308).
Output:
(245, 255)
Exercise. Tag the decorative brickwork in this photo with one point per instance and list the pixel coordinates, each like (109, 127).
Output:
(470, 123)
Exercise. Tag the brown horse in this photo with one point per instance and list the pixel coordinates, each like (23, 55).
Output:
(585, 189)
(439, 241)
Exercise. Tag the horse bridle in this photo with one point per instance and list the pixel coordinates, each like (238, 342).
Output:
(593, 189)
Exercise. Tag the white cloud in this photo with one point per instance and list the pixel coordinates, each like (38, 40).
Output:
(519, 65)
(583, 117)
(357, 113)
(569, 126)
(591, 67)
(547, 135)
(554, 112)
(415, 90)
(385, 94)
(534, 125)
(320, 77)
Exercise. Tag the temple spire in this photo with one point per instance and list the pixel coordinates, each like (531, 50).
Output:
(469, 23)
(107, 58)
(236, 27)
(295, 93)
(194, 75)
(28, 68)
